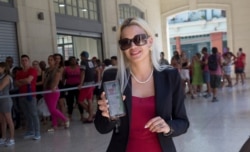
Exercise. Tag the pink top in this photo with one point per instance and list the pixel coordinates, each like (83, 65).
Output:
(219, 70)
(73, 76)
(141, 139)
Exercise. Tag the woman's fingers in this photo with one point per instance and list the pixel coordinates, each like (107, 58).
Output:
(103, 105)
(157, 124)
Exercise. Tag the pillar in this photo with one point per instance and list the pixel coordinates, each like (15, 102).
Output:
(216, 41)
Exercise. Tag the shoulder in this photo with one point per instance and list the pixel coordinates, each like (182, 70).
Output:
(168, 71)
(7, 78)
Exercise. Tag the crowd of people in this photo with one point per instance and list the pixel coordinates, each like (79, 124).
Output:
(199, 70)
(38, 83)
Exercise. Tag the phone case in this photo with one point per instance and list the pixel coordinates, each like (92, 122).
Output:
(113, 94)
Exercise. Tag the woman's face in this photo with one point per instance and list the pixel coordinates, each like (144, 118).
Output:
(51, 61)
(72, 61)
(57, 59)
(136, 53)
(35, 65)
(2, 70)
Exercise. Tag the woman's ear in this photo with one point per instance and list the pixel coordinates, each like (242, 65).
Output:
(150, 42)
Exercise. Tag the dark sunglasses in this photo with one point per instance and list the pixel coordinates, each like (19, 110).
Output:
(139, 40)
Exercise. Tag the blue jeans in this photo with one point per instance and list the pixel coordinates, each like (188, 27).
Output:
(206, 76)
(29, 109)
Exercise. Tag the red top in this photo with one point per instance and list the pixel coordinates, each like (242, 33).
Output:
(25, 74)
(141, 139)
(73, 76)
(239, 61)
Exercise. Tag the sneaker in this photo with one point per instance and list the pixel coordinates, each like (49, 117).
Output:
(10, 142)
(67, 123)
(207, 95)
(28, 135)
(2, 141)
(37, 137)
(51, 130)
(215, 99)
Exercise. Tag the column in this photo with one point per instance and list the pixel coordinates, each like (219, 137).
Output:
(178, 43)
(216, 41)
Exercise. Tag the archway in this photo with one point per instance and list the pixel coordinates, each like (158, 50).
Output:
(190, 31)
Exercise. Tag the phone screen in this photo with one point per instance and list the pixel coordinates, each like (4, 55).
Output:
(113, 94)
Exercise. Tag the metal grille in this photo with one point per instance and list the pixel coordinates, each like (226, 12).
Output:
(8, 42)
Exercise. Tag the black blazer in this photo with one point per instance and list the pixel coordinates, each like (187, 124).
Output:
(169, 97)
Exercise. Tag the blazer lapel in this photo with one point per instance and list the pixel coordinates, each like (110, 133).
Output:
(128, 100)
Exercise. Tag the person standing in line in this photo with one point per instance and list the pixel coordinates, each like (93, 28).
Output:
(6, 106)
(153, 96)
(59, 61)
(114, 60)
(162, 60)
(206, 74)
(185, 73)
(72, 75)
(52, 78)
(215, 75)
(40, 79)
(197, 79)
(239, 63)
(244, 56)
(42, 65)
(226, 64)
(26, 81)
(9, 60)
(176, 61)
(88, 77)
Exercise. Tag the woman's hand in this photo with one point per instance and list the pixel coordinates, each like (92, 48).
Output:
(157, 124)
(54, 89)
(103, 105)
(79, 86)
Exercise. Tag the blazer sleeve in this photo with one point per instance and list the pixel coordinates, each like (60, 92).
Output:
(178, 122)
(104, 124)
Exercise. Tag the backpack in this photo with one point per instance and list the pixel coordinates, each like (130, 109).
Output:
(212, 62)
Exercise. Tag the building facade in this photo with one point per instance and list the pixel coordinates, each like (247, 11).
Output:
(42, 27)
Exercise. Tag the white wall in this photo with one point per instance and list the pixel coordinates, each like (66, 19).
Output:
(36, 35)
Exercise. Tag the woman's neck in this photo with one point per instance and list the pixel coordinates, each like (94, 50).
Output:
(141, 71)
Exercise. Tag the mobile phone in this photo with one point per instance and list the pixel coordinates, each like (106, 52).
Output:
(113, 94)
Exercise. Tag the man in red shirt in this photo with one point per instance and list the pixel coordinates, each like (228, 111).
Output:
(240, 66)
(26, 81)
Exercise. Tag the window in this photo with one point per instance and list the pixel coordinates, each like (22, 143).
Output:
(65, 45)
(127, 11)
(69, 45)
(79, 8)
(5, 1)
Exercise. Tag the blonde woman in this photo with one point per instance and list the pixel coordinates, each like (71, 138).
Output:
(153, 96)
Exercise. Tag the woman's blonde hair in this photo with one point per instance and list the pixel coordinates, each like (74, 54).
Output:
(123, 65)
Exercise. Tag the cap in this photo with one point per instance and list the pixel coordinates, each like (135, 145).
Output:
(85, 54)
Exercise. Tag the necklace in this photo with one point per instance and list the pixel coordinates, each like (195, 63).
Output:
(142, 82)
